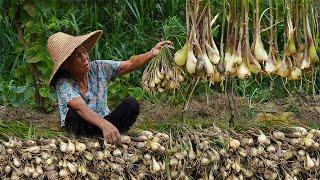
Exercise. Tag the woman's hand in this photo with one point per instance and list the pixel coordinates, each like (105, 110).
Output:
(157, 48)
(110, 133)
(141, 59)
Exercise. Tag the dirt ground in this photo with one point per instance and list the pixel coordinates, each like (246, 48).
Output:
(216, 107)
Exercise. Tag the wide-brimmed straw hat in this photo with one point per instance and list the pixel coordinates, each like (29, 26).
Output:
(61, 45)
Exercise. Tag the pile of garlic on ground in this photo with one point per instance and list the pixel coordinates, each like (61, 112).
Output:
(292, 153)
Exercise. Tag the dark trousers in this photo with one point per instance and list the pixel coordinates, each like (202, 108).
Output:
(122, 118)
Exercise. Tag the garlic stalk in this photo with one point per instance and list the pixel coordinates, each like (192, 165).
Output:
(290, 47)
(251, 61)
(270, 64)
(191, 59)
(258, 49)
(312, 52)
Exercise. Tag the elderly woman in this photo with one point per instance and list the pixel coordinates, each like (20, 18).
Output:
(81, 86)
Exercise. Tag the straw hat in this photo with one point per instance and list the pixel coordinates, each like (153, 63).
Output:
(61, 45)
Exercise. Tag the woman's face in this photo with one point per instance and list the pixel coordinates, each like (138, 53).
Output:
(78, 62)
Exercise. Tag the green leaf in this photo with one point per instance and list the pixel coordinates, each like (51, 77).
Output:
(44, 92)
(11, 13)
(20, 89)
(52, 96)
(37, 58)
(30, 8)
(215, 31)
(127, 76)
(136, 92)
(29, 93)
(114, 89)
(122, 93)
(14, 101)
(29, 78)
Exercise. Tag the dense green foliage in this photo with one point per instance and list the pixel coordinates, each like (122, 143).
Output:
(130, 27)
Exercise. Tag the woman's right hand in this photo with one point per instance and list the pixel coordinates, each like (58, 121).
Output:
(110, 133)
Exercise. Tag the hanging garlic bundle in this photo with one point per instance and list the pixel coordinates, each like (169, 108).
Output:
(160, 75)
(201, 57)
(200, 54)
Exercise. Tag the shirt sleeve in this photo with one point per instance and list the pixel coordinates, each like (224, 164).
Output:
(66, 92)
(110, 69)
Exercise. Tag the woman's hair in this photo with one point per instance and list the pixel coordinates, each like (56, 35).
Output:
(60, 73)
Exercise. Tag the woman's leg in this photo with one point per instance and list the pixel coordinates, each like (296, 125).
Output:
(80, 127)
(122, 117)
(125, 114)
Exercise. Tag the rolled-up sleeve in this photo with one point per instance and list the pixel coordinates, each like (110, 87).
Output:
(110, 69)
(65, 92)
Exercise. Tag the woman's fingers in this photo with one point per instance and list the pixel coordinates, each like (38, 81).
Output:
(160, 44)
(113, 138)
(167, 42)
(170, 47)
(118, 137)
(108, 139)
(156, 49)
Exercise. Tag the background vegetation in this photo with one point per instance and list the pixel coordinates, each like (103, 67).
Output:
(130, 27)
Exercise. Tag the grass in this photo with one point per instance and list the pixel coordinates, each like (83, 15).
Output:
(24, 131)
(264, 121)
(172, 124)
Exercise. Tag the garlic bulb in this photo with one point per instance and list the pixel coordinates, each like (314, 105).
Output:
(180, 57)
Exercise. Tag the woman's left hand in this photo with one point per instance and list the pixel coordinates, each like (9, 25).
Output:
(157, 48)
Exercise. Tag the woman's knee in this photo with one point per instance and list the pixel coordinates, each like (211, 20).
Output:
(72, 114)
(133, 104)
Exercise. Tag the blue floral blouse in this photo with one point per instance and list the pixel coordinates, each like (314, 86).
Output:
(100, 74)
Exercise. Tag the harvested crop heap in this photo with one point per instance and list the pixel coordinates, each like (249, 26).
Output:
(289, 153)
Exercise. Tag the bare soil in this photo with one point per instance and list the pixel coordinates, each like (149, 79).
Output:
(215, 107)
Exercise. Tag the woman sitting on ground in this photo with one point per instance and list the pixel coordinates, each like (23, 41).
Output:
(81, 86)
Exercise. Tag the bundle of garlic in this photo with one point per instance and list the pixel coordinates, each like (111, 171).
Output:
(201, 57)
(199, 54)
(160, 75)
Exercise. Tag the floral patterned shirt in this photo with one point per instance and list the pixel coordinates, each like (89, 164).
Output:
(100, 74)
